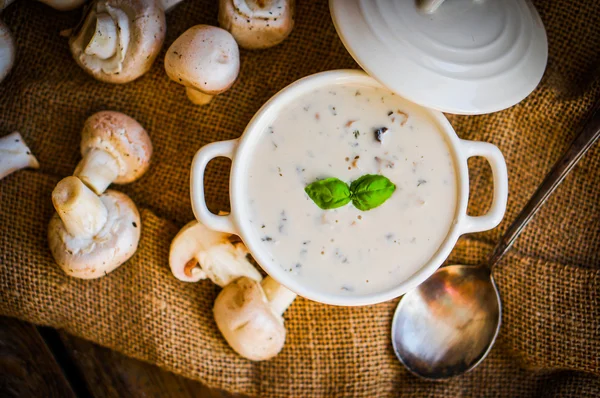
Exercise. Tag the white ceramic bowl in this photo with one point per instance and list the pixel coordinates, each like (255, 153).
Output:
(241, 151)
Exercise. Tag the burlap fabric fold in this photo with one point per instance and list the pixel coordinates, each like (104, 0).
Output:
(550, 283)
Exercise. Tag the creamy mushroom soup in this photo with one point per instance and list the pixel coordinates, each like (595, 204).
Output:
(346, 132)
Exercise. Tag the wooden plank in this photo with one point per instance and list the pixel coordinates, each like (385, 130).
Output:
(110, 374)
(27, 367)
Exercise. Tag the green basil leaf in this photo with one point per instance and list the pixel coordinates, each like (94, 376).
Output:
(370, 191)
(329, 193)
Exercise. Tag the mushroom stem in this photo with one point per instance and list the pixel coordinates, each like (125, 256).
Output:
(198, 97)
(98, 169)
(279, 297)
(15, 155)
(103, 43)
(80, 209)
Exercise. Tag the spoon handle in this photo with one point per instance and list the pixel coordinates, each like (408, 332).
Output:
(581, 144)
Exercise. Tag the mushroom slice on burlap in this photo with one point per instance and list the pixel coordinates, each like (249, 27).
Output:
(115, 148)
(198, 252)
(249, 316)
(257, 24)
(89, 235)
(15, 155)
(118, 40)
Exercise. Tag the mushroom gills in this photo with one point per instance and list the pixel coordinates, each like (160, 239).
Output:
(15, 155)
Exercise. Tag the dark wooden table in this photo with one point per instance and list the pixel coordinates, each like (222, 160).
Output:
(43, 362)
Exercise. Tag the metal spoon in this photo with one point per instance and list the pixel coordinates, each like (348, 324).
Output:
(448, 325)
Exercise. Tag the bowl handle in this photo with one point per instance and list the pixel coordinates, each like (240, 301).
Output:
(500, 178)
(201, 159)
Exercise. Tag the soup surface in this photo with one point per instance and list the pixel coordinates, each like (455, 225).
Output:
(331, 132)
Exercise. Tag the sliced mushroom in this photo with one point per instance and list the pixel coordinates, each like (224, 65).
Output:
(249, 315)
(206, 60)
(257, 24)
(7, 51)
(15, 155)
(118, 40)
(90, 236)
(199, 253)
(115, 148)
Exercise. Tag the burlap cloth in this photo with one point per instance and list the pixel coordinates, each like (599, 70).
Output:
(550, 284)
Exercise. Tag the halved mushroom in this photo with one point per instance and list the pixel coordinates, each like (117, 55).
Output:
(15, 155)
(7, 51)
(90, 236)
(198, 252)
(249, 315)
(118, 40)
(206, 60)
(257, 24)
(115, 148)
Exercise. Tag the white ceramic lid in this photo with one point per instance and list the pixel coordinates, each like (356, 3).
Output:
(457, 56)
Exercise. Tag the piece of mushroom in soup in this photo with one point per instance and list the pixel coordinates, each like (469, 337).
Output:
(346, 132)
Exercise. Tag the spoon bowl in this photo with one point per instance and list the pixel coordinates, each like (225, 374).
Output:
(447, 325)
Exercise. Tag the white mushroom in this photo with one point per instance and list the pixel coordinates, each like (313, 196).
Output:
(118, 40)
(7, 51)
(90, 236)
(199, 253)
(206, 60)
(249, 315)
(115, 148)
(15, 155)
(257, 24)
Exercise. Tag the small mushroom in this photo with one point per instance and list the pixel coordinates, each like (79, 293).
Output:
(90, 236)
(198, 252)
(15, 155)
(118, 40)
(7, 51)
(115, 148)
(249, 315)
(257, 24)
(206, 60)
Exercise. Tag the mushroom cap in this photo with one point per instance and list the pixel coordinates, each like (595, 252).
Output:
(205, 58)
(116, 242)
(244, 317)
(198, 252)
(257, 24)
(7, 51)
(64, 5)
(147, 27)
(122, 137)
